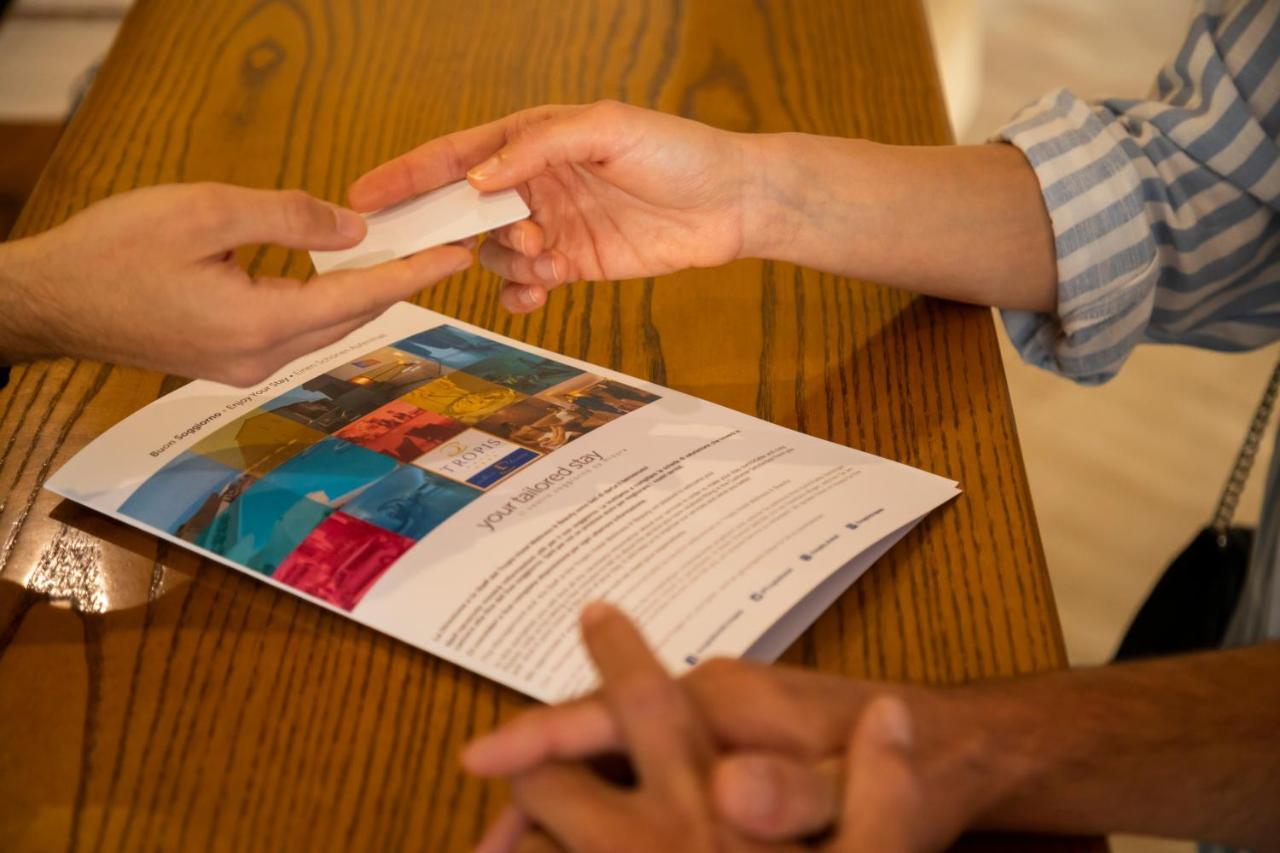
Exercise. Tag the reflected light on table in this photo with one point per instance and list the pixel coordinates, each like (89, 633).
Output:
(74, 570)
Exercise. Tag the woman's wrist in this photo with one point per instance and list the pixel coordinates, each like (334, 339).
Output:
(960, 222)
(808, 203)
(774, 195)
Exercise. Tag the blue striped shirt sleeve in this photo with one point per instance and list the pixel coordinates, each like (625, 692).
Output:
(1165, 211)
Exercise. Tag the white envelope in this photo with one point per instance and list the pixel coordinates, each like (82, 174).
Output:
(441, 216)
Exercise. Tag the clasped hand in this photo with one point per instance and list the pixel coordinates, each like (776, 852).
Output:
(735, 756)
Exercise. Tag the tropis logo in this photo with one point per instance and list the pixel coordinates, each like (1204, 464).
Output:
(462, 455)
(476, 458)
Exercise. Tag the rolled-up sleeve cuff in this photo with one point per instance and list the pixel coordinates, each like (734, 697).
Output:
(1107, 261)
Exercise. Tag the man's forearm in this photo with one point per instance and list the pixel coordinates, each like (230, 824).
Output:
(1186, 747)
(961, 222)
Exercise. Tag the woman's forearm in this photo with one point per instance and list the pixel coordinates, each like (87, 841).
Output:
(960, 222)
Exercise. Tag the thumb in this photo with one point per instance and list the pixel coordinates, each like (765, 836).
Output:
(239, 216)
(594, 134)
(771, 796)
(883, 799)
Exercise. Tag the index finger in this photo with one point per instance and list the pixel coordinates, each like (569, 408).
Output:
(569, 732)
(438, 162)
(667, 743)
(223, 216)
(743, 704)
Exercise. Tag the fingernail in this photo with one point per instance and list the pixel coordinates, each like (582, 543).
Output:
(487, 169)
(545, 267)
(594, 613)
(520, 242)
(529, 296)
(892, 722)
(349, 223)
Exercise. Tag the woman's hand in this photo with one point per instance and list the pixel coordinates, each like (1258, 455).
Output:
(615, 192)
(149, 278)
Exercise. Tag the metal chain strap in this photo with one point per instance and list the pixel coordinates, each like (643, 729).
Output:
(1226, 510)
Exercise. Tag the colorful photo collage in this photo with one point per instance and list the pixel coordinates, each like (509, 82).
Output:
(327, 485)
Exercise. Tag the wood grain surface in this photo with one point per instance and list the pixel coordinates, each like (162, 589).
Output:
(152, 700)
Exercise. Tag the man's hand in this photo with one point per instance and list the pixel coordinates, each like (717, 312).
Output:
(780, 735)
(565, 805)
(1148, 748)
(896, 798)
(148, 278)
(615, 192)
(742, 756)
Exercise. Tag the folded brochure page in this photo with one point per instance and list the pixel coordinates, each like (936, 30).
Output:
(467, 494)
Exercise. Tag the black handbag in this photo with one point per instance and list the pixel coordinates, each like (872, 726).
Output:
(1191, 604)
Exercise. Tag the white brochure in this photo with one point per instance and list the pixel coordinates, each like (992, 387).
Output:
(468, 493)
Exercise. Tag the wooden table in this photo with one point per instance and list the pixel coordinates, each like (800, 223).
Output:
(149, 699)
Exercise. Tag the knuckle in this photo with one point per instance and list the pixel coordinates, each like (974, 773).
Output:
(653, 696)
(769, 693)
(301, 212)
(244, 372)
(458, 163)
(531, 134)
(494, 258)
(257, 334)
(722, 673)
(716, 669)
(607, 108)
(210, 209)
(545, 725)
